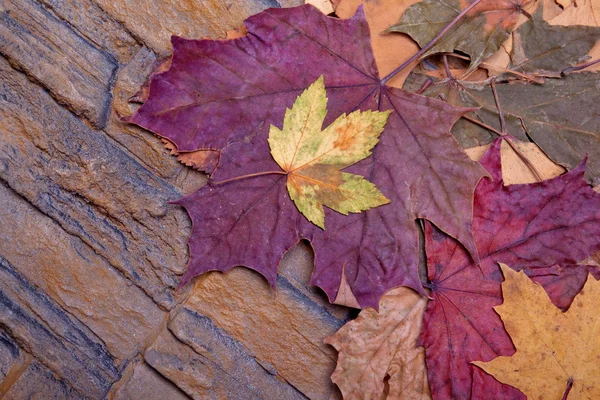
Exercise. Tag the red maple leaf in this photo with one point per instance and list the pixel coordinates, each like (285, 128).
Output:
(223, 95)
(543, 228)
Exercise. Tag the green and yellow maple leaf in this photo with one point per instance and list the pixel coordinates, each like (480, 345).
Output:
(313, 158)
(557, 353)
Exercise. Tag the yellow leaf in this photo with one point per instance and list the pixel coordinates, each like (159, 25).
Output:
(556, 352)
(376, 347)
(313, 158)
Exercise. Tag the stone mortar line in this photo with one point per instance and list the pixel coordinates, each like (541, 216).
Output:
(28, 358)
(16, 370)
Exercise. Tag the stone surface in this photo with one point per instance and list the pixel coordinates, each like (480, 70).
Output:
(145, 383)
(76, 73)
(297, 266)
(76, 278)
(92, 187)
(95, 26)
(218, 348)
(283, 330)
(9, 354)
(201, 378)
(154, 21)
(38, 382)
(40, 326)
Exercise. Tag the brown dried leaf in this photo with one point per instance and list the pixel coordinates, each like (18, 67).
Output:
(379, 347)
(324, 6)
(581, 12)
(202, 160)
(514, 169)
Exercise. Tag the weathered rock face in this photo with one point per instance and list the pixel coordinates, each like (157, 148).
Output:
(76, 73)
(269, 325)
(38, 381)
(63, 266)
(145, 383)
(9, 354)
(221, 373)
(39, 325)
(91, 187)
(91, 251)
(156, 21)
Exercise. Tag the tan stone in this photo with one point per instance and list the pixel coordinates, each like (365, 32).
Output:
(96, 27)
(210, 375)
(284, 330)
(38, 382)
(76, 73)
(76, 278)
(219, 349)
(145, 383)
(154, 21)
(92, 187)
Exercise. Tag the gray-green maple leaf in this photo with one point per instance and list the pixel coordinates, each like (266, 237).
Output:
(562, 116)
(545, 50)
(480, 33)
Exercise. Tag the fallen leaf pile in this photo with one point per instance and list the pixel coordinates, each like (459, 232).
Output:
(338, 130)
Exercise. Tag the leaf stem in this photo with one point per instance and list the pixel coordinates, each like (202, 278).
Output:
(497, 101)
(429, 45)
(580, 67)
(506, 70)
(483, 125)
(567, 389)
(510, 143)
(447, 67)
(237, 178)
(427, 83)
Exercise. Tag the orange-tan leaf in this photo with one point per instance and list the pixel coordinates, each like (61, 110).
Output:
(376, 346)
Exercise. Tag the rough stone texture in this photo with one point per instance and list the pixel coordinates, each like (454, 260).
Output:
(9, 354)
(90, 251)
(64, 267)
(154, 21)
(270, 324)
(39, 325)
(218, 348)
(76, 73)
(202, 378)
(38, 382)
(147, 384)
(92, 187)
(95, 26)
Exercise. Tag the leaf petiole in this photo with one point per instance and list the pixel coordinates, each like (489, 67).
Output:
(237, 178)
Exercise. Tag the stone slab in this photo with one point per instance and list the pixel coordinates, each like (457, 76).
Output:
(92, 187)
(77, 74)
(38, 382)
(41, 327)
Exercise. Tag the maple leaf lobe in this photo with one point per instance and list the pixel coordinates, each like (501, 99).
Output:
(313, 158)
(556, 352)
